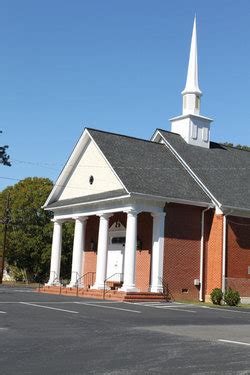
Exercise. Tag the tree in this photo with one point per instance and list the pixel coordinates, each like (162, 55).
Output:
(4, 158)
(240, 147)
(30, 229)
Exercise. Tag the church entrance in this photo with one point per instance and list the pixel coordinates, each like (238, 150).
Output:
(116, 249)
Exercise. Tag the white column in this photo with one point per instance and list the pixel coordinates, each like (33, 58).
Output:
(102, 250)
(130, 253)
(55, 262)
(157, 252)
(78, 249)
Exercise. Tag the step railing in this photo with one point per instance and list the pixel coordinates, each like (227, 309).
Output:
(166, 291)
(55, 277)
(88, 275)
(108, 278)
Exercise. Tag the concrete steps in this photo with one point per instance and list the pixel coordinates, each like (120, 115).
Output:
(114, 295)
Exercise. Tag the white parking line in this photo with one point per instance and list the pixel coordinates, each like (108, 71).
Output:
(149, 304)
(47, 307)
(225, 310)
(153, 305)
(2, 312)
(23, 291)
(60, 302)
(107, 307)
(166, 305)
(175, 309)
(100, 302)
(234, 342)
(18, 290)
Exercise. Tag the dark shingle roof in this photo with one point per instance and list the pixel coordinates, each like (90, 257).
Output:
(225, 171)
(147, 167)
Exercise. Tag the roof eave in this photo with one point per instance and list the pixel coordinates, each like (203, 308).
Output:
(85, 203)
(172, 199)
(236, 211)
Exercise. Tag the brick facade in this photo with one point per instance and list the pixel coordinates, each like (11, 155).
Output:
(213, 252)
(238, 254)
(143, 257)
(182, 250)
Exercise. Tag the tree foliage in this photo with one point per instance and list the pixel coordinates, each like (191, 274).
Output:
(30, 229)
(240, 147)
(4, 158)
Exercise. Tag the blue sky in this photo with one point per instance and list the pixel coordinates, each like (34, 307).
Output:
(117, 66)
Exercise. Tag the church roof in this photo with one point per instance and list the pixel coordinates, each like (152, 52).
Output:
(225, 171)
(147, 167)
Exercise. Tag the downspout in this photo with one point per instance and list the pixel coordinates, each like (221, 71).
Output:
(224, 251)
(202, 253)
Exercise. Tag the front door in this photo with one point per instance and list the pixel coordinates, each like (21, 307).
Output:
(115, 262)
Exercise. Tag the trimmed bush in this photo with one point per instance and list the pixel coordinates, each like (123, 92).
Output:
(216, 296)
(232, 297)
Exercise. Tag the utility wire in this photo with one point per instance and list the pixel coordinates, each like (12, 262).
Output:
(47, 165)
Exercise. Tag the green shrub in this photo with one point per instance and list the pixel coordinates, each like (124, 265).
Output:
(232, 297)
(216, 296)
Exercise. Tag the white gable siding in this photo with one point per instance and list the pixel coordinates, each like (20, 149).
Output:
(91, 163)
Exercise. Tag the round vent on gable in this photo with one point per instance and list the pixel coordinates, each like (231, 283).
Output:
(91, 180)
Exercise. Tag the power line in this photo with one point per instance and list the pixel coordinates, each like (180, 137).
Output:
(48, 165)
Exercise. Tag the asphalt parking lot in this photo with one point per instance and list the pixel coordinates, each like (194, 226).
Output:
(47, 334)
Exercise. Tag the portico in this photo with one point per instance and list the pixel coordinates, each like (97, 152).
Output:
(106, 216)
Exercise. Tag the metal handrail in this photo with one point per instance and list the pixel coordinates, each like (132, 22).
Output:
(166, 290)
(107, 278)
(84, 275)
(58, 279)
(55, 277)
(90, 272)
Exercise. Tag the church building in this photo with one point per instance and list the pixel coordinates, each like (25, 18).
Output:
(170, 213)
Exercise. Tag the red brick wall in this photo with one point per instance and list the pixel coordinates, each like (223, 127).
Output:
(238, 254)
(182, 250)
(89, 261)
(143, 257)
(213, 251)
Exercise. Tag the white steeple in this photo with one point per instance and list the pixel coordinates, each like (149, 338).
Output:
(195, 129)
(192, 93)
(192, 84)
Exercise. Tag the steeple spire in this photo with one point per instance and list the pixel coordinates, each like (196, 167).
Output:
(192, 93)
(194, 128)
(192, 84)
